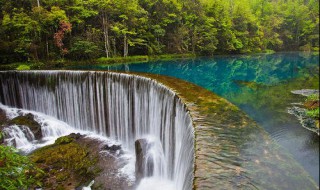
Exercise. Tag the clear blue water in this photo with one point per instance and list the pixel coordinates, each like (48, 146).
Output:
(258, 84)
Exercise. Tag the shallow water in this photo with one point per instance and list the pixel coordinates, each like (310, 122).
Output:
(258, 84)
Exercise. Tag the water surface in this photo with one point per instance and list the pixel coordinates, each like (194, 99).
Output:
(258, 84)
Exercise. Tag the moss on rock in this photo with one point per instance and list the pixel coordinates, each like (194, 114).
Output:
(29, 121)
(67, 164)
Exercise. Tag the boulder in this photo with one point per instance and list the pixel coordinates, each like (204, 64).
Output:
(28, 120)
(3, 117)
(144, 164)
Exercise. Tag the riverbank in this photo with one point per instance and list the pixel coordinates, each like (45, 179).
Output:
(58, 64)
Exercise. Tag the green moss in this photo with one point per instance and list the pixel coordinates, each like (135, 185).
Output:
(64, 140)
(65, 162)
(23, 67)
(24, 120)
(105, 60)
(28, 120)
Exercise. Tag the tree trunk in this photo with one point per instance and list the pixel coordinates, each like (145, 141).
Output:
(125, 46)
(114, 47)
(47, 46)
(105, 26)
(193, 41)
(38, 3)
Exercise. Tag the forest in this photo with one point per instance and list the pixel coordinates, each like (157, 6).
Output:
(43, 30)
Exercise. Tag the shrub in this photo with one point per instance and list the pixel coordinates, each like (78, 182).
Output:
(314, 113)
(313, 97)
(16, 171)
(23, 67)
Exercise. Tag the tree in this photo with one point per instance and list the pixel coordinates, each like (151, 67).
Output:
(65, 27)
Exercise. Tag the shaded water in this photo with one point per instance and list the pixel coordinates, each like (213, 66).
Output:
(122, 107)
(258, 84)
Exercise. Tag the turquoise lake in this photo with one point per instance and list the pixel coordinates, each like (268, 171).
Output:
(259, 84)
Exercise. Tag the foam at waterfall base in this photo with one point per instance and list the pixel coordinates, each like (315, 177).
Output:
(52, 129)
(155, 183)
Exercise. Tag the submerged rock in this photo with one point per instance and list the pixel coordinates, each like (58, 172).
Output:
(305, 92)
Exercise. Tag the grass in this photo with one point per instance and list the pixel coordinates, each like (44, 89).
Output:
(105, 60)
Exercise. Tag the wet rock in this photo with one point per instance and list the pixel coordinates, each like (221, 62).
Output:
(305, 121)
(69, 138)
(112, 148)
(3, 117)
(305, 92)
(83, 153)
(28, 120)
(144, 164)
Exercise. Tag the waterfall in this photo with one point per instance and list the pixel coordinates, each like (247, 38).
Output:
(121, 107)
(24, 139)
(18, 137)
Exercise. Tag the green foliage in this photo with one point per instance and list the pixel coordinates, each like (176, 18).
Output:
(116, 28)
(16, 171)
(314, 113)
(82, 49)
(23, 67)
(312, 106)
(313, 97)
(105, 60)
(1, 136)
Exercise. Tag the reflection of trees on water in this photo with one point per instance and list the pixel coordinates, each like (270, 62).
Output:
(259, 81)
(256, 83)
(219, 73)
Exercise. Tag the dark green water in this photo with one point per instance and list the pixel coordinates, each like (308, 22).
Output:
(260, 85)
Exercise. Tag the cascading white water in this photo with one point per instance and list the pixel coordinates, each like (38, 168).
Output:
(120, 106)
(19, 137)
(22, 137)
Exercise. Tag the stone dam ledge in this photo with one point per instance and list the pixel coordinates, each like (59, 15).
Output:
(231, 150)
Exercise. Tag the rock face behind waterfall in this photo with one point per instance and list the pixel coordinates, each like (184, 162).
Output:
(144, 164)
